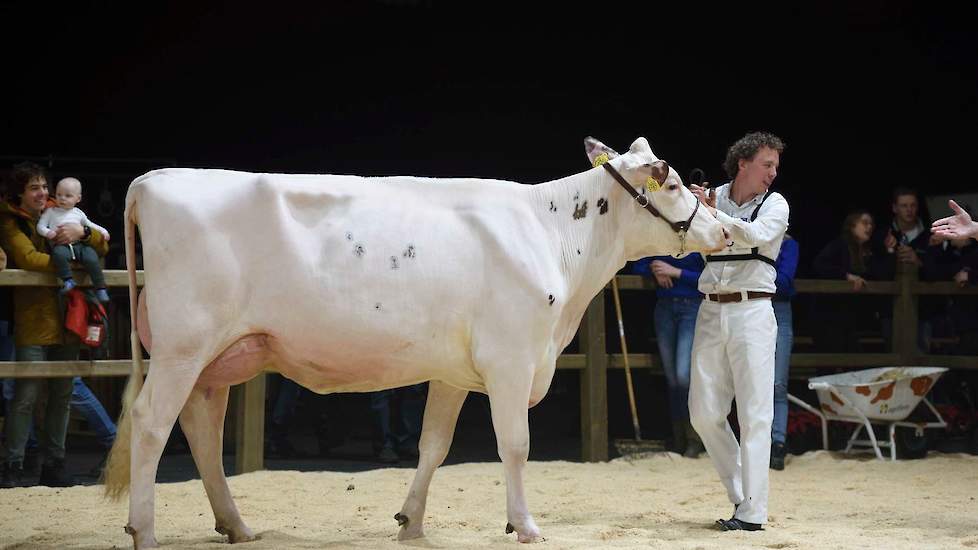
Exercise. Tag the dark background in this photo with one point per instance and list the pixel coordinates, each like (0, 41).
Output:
(866, 96)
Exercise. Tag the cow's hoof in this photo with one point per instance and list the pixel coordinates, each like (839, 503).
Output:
(531, 534)
(409, 529)
(140, 543)
(241, 534)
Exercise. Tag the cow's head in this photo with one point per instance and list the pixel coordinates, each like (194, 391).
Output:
(681, 226)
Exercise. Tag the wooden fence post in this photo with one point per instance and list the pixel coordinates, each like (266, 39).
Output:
(905, 314)
(594, 383)
(249, 415)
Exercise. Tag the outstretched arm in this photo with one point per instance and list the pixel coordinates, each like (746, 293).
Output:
(958, 226)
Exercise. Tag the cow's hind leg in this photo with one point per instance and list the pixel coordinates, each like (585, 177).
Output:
(508, 399)
(438, 429)
(202, 420)
(153, 414)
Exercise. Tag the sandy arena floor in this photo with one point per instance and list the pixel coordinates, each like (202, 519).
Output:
(821, 501)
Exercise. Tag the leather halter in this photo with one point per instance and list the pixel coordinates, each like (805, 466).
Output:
(679, 227)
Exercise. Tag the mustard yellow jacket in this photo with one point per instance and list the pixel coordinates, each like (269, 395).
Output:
(38, 320)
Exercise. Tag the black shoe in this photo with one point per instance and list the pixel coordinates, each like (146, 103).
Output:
(281, 448)
(778, 452)
(694, 448)
(32, 460)
(53, 474)
(12, 475)
(408, 452)
(96, 470)
(734, 524)
(387, 456)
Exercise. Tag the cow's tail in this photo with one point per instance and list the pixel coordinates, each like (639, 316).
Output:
(118, 466)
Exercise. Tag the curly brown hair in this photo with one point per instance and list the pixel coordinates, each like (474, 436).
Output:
(746, 147)
(18, 177)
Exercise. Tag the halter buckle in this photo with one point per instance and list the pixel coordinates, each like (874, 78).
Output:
(640, 198)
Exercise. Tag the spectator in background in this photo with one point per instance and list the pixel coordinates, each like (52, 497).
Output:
(853, 257)
(676, 305)
(906, 238)
(85, 403)
(39, 333)
(397, 440)
(277, 443)
(909, 243)
(948, 260)
(787, 265)
(99, 421)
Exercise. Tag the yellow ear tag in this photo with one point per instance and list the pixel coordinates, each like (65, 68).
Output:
(600, 159)
(652, 184)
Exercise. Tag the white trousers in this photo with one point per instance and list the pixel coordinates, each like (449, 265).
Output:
(733, 356)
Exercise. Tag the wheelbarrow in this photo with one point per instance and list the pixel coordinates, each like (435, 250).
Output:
(883, 396)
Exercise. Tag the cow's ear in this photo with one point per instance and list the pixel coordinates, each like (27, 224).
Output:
(597, 152)
(641, 145)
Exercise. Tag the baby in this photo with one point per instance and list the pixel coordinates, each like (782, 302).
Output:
(67, 195)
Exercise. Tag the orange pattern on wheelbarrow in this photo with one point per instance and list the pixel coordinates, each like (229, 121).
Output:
(921, 385)
(886, 392)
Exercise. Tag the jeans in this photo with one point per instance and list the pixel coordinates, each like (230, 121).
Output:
(675, 323)
(782, 362)
(407, 431)
(61, 258)
(85, 402)
(285, 401)
(20, 413)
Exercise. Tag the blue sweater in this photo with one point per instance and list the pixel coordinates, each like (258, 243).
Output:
(683, 287)
(786, 264)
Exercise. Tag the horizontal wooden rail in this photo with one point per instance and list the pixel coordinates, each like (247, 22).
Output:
(827, 286)
(49, 369)
(23, 277)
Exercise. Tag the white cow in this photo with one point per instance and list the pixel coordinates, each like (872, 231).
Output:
(350, 284)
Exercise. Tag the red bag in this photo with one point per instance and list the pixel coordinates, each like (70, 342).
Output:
(84, 317)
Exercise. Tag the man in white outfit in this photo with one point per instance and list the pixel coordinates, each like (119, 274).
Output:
(736, 332)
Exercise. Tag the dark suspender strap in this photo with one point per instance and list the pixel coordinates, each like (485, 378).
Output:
(754, 255)
(753, 216)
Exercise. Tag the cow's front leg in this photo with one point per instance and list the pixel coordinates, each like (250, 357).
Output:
(440, 415)
(508, 399)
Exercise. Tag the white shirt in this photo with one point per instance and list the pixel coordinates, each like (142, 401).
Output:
(912, 233)
(766, 233)
(56, 216)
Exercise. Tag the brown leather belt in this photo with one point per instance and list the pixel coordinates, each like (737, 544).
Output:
(738, 296)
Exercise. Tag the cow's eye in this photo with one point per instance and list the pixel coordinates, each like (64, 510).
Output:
(673, 186)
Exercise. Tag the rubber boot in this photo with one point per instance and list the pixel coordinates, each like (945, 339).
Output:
(678, 443)
(694, 445)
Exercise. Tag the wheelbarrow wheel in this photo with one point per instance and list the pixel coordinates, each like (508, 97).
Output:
(909, 445)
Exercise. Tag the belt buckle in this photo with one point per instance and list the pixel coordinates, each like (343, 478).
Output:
(743, 296)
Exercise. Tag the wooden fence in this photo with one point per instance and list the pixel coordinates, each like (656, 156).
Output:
(593, 361)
